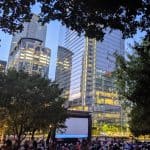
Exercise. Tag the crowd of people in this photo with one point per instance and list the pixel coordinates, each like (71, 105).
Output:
(97, 144)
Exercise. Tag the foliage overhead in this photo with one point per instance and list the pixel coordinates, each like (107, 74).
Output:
(89, 16)
(32, 103)
(133, 80)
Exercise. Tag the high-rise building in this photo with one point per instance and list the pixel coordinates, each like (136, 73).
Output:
(32, 29)
(2, 65)
(29, 55)
(92, 85)
(28, 51)
(63, 70)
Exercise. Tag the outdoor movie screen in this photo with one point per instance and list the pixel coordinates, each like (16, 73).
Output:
(76, 128)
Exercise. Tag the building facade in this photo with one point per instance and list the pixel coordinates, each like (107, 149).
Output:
(2, 66)
(32, 29)
(28, 51)
(92, 86)
(30, 56)
(63, 70)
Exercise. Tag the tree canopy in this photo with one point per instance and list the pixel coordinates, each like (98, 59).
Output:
(31, 103)
(133, 80)
(89, 16)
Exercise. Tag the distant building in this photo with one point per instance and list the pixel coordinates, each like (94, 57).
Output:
(2, 65)
(28, 51)
(63, 70)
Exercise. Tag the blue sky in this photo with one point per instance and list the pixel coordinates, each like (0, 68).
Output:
(52, 40)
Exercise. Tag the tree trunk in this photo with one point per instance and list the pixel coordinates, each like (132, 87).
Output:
(48, 138)
(18, 142)
(51, 135)
(33, 132)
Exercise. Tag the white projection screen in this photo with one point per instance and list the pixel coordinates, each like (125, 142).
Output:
(76, 128)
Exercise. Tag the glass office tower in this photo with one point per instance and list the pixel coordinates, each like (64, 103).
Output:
(63, 70)
(92, 85)
(28, 51)
(30, 56)
(32, 29)
(76, 44)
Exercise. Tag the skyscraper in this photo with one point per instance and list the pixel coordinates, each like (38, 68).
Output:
(27, 50)
(63, 70)
(32, 29)
(92, 86)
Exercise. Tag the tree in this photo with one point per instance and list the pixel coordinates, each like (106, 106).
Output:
(32, 103)
(133, 80)
(140, 121)
(89, 16)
